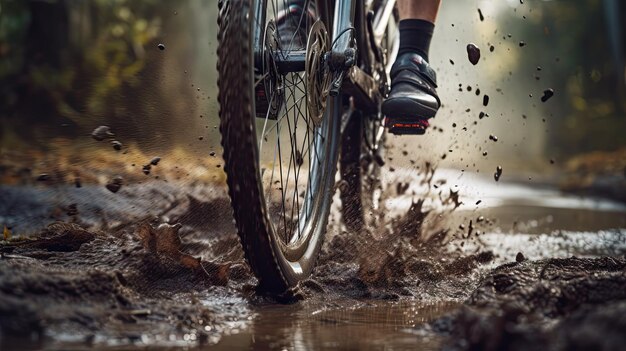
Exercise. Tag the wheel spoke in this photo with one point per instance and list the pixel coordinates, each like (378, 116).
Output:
(300, 161)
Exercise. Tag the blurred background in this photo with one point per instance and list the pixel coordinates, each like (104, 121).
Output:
(69, 66)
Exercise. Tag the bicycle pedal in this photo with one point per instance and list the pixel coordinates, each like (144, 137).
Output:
(406, 126)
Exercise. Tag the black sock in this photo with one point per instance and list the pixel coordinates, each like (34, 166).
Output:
(415, 35)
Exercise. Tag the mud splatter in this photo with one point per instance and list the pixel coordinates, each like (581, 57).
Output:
(473, 53)
(101, 133)
(498, 173)
(115, 184)
(547, 94)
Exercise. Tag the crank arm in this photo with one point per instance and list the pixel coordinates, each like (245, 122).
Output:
(363, 88)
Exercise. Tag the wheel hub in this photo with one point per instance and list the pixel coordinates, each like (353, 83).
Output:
(268, 93)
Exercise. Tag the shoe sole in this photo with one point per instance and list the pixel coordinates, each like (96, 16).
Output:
(406, 117)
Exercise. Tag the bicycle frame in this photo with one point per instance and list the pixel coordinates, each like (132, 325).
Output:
(356, 77)
(368, 30)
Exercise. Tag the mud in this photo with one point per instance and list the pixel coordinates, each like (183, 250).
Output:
(133, 286)
(169, 272)
(554, 304)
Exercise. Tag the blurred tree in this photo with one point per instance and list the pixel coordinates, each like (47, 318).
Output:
(581, 44)
(69, 63)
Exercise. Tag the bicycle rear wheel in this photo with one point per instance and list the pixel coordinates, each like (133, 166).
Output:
(363, 147)
(280, 136)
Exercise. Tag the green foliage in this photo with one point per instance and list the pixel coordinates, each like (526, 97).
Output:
(573, 38)
(68, 60)
(14, 17)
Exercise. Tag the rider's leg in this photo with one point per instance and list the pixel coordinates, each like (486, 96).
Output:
(421, 9)
(413, 99)
(417, 22)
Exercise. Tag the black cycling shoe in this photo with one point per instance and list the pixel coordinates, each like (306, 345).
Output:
(413, 98)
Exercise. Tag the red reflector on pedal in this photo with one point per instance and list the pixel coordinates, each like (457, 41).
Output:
(402, 126)
(420, 123)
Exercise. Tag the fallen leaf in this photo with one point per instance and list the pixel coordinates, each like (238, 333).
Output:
(163, 241)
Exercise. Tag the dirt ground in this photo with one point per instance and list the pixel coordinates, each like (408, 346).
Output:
(158, 264)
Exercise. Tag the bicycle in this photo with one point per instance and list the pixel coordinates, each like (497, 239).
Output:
(289, 115)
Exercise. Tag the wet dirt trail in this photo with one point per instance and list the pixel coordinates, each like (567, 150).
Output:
(466, 264)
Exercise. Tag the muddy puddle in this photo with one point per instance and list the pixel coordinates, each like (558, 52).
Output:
(498, 266)
(358, 325)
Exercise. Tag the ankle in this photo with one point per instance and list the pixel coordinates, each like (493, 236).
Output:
(415, 37)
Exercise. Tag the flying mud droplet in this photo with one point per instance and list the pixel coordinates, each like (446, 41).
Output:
(484, 153)
(212, 153)
(115, 184)
(44, 177)
(473, 53)
(451, 62)
(146, 169)
(547, 94)
(101, 133)
(493, 137)
(522, 43)
(485, 100)
(519, 258)
(117, 146)
(161, 47)
(155, 160)
(480, 15)
(492, 48)
(498, 173)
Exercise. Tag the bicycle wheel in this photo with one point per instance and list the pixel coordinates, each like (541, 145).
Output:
(361, 191)
(362, 149)
(280, 136)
